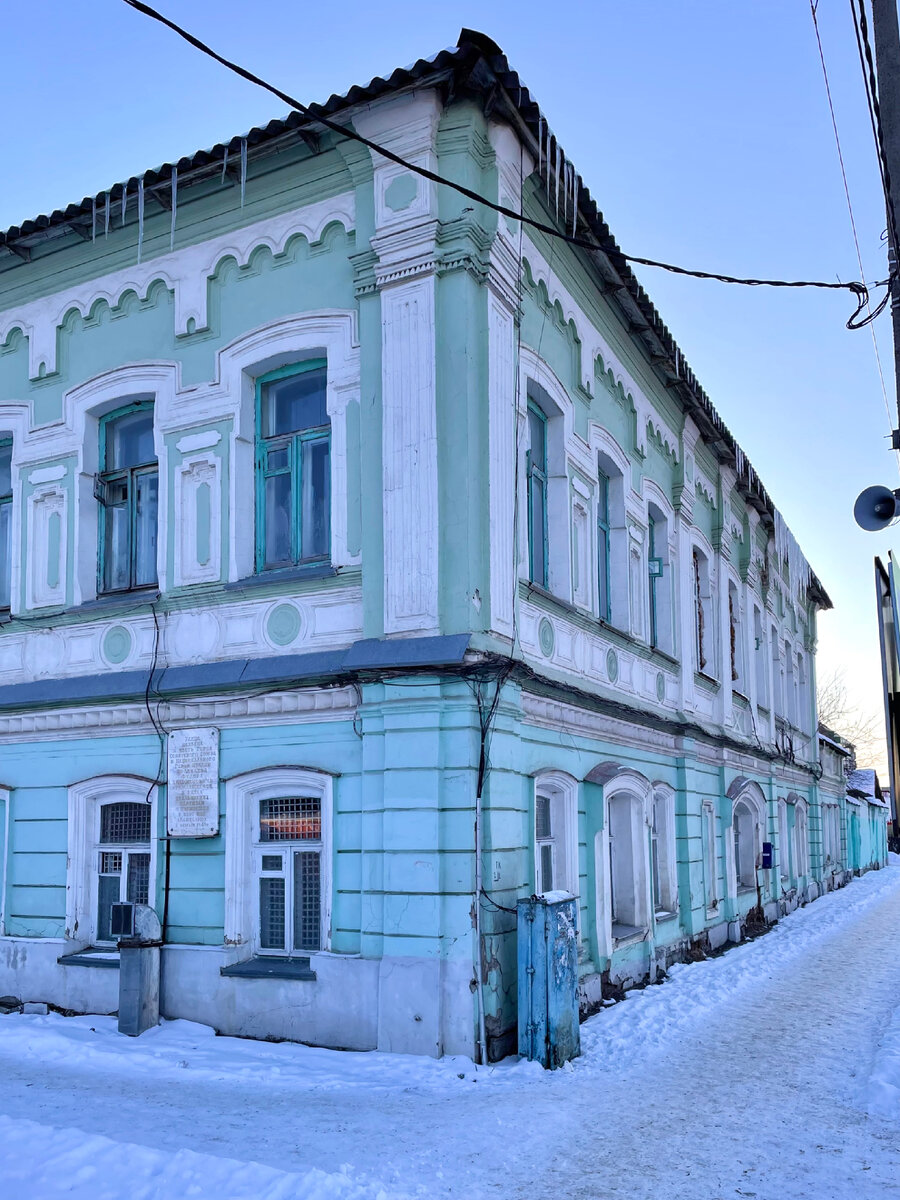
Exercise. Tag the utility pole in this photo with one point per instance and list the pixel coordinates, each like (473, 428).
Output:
(887, 65)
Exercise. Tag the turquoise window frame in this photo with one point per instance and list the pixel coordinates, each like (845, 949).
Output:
(603, 547)
(537, 476)
(654, 573)
(104, 478)
(6, 501)
(293, 443)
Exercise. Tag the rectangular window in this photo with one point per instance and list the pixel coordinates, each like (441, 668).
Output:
(128, 490)
(654, 572)
(293, 460)
(537, 496)
(5, 522)
(759, 637)
(123, 860)
(290, 881)
(603, 544)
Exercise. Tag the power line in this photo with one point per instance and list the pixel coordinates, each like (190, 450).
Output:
(869, 76)
(813, 5)
(859, 290)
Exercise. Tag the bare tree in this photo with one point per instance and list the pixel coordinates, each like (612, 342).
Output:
(853, 724)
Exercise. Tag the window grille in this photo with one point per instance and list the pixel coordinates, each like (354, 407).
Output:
(125, 822)
(307, 900)
(138, 890)
(290, 819)
(542, 818)
(271, 913)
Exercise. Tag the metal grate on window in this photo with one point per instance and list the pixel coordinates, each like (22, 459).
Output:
(271, 862)
(110, 862)
(125, 822)
(290, 819)
(307, 900)
(542, 818)
(138, 889)
(271, 914)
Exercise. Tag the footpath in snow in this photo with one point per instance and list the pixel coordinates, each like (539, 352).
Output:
(771, 1071)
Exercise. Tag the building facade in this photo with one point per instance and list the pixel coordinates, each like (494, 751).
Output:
(415, 516)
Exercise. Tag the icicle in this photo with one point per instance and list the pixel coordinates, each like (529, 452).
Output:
(224, 164)
(540, 141)
(106, 217)
(94, 219)
(548, 166)
(574, 198)
(174, 207)
(124, 200)
(243, 169)
(140, 216)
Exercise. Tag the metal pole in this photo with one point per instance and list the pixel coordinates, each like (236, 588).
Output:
(887, 66)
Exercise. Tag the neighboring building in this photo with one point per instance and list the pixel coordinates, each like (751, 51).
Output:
(854, 816)
(309, 456)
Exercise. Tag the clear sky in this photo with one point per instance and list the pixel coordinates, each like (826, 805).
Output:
(700, 126)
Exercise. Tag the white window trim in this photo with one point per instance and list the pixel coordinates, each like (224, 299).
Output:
(709, 840)
(751, 795)
(242, 796)
(566, 791)
(663, 794)
(85, 801)
(801, 845)
(5, 801)
(633, 784)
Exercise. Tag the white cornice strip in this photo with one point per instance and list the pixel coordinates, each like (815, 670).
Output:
(185, 272)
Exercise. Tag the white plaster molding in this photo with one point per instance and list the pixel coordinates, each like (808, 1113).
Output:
(242, 795)
(185, 272)
(83, 831)
(205, 440)
(409, 450)
(48, 539)
(198, 475)
(47, 474)
(594, 346)
(502, 425)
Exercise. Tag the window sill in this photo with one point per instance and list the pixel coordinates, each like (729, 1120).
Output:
(627, 933)
(91, 957)
(262, 967)
(746, 890)
(663, 915)
(124, 601)
(282, 575)
(706, 681)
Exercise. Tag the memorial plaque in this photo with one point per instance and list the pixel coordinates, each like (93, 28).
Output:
(193, 788)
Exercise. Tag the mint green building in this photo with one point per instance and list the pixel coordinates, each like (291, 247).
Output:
(371, 560)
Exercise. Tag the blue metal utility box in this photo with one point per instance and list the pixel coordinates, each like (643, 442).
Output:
(548, 979)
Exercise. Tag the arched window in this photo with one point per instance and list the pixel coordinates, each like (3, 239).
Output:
(784, 845)
(5, 522)
(760, 658)
(777, 675)
(710, 857)
(612, 548)
(662, 853)
(704, 635)
(628, 882)
(293, 455)
(555, 834)
(736, 639)
(790, 686)
(111, 852)
(659, 580)
(278, 866)
(801, 829)
(745, 846)
(127, 488)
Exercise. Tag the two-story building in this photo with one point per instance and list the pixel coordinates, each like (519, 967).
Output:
(416, 515)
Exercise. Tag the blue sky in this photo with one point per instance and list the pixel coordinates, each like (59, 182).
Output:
(701, 128)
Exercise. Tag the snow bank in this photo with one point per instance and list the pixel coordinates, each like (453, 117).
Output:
(40, 1163)
(657, 1017)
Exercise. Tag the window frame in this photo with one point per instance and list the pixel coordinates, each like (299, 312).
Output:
(126, 851)
(109, 475)
(85, 800)
(243, 794)
(293, 441)
(287, 849)
(531, 471)
(709, 841)
(560, 792)
(663, 868)
(6, 500)
(629, 863)
(604, 597)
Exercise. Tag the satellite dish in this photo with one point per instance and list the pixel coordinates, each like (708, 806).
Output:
(875, 508)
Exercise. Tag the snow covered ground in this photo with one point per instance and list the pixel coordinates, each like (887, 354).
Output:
(771, 1072)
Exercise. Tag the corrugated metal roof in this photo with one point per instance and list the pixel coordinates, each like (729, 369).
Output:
(475, 66)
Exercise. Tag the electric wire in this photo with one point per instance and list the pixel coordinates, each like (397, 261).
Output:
(869, 74)
(813, 6)
(857, 288)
